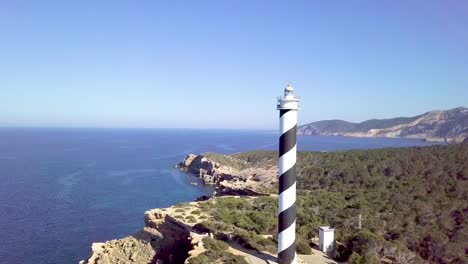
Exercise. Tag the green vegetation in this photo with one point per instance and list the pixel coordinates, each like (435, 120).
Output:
(258, 158)
(410, 199)
(191, 218)
(196, 212)
(252, 222)
(252, 240)
(212, 244)
(216, 253)
(355, 258)
(303, 247)
(344, 126)
(226, 160)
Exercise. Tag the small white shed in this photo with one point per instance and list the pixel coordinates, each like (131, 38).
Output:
(327, 239)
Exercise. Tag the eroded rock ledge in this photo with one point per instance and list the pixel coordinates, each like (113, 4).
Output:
(245, 180)
(167, 237)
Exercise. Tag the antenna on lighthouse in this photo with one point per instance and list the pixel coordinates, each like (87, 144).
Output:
(288, 105)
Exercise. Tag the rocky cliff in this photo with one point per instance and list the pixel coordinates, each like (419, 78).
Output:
(231, 176)
(167, 237)
(448, 125)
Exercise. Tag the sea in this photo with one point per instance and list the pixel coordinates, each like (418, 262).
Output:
(63, 189)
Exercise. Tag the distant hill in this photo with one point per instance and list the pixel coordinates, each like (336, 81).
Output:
(439, 125)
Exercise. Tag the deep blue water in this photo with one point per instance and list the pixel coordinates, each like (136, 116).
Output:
(62, 189)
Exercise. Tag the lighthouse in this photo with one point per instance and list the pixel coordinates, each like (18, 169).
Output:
(288, 105)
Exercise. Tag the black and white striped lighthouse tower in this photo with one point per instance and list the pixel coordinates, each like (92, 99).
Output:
(288, 105)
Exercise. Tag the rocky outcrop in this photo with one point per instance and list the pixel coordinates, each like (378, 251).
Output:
(164, 239)
(229, 180)
(137, 248)
(208, 170)
(168, 235)
(449, 125)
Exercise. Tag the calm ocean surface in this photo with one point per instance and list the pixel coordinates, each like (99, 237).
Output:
(62, 189)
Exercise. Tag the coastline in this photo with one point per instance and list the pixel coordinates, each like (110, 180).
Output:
(333, 187)
(173, 229)
(452, 140)
(115, 186)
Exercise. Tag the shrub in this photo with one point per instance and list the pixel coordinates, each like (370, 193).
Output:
(191, 219)
(196, 212)
(360, 240)
(212, 227)
(213, 244)
(216, 253)
(250, 240)
(401, 193)
(200, 259)
(303, 247)
(206, 206)
(355, 258)
(370, 259)
(218, 257)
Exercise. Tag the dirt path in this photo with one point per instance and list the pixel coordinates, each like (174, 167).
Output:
(256, 257)
(317, 258)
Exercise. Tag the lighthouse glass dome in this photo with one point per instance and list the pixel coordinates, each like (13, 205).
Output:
(288, 100)
(288, 93)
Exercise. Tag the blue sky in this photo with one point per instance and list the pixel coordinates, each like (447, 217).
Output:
(221, 64)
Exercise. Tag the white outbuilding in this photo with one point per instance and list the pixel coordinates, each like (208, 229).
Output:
(327, 239)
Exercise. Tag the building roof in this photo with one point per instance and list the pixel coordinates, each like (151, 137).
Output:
(326, 228)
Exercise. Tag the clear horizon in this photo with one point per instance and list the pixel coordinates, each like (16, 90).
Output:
(220, 65)
(175, 128)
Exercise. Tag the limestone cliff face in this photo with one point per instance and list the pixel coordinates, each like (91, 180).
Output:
(137, 248)
(229, 180)
(167, 237)
(208, 170)
(449, 125)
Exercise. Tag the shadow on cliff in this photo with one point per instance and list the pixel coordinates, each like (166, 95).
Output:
(169, 240)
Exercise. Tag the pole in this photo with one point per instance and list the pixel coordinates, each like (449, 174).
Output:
(288, 106)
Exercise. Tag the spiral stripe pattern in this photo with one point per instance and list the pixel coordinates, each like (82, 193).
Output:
(287, 188)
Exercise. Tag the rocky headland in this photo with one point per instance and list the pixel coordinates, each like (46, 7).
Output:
(173, 235)
(168, 236)
(231, 176)
(439, 125)
(383, 186)
(179, 234)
